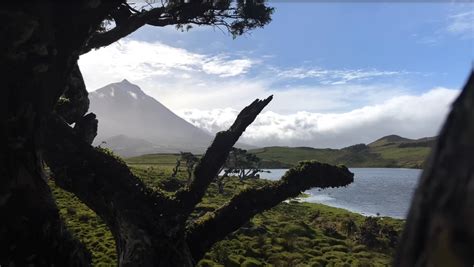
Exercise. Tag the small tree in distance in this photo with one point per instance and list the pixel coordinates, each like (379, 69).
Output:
(190, 161)
(244, 165)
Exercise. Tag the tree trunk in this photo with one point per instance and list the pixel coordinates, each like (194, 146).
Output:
(37, 54)
(439, 229)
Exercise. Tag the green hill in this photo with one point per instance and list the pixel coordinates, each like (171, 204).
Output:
(389, 151)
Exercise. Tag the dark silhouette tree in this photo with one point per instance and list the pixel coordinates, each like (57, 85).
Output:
(45, 94)
(244, 165)
(439, 229)
(153, 229)
(190, 161)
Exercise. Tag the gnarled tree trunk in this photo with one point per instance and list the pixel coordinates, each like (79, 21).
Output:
(440, 226)
(38, 51)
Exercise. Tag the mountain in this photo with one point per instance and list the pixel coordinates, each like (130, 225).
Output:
(133, 123)
(388, 151)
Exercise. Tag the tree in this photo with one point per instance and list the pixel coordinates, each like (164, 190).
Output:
(244, 165)
(45, 94)
(239, 162)
(190, 161)
(151, 228)
(439, 227)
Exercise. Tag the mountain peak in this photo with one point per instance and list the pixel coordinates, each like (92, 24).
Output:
(124, 88)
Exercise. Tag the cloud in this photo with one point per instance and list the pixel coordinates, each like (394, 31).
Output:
(462, 24)
(406, 115)
(335, 77)
(226, 68)
(138, 60)
(183, 79)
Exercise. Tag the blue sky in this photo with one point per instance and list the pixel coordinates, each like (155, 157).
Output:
(411, 37)
(331, 67)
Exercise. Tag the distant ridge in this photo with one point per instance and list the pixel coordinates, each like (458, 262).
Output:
(403, 142)
(388, 151)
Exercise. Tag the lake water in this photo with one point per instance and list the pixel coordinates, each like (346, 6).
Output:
(386, 191)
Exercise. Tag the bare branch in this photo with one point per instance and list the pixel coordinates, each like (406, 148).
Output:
(215, 157)
(215, 226)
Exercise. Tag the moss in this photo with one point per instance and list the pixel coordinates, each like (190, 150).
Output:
(250, 262)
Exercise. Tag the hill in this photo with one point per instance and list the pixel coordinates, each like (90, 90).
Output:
(389, 151)
(133, 123)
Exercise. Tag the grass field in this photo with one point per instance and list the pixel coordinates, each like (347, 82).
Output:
(291, 234)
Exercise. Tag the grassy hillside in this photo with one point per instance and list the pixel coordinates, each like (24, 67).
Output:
(291, 234)
(389, 151)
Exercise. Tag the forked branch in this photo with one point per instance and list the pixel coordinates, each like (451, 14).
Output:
(215, 156)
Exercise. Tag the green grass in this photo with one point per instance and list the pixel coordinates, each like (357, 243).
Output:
(291, 234)
(154, 159)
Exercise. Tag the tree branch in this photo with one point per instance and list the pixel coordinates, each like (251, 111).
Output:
(215, 226)
(100, 180)
(133, 23)
(439, 225)
(237, 19)
(215, 157)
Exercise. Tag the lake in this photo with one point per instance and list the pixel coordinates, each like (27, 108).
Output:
(383, 191)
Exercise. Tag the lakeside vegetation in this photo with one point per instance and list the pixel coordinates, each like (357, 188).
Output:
(291, 234)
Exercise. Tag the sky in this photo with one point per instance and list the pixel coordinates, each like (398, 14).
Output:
(341, 73)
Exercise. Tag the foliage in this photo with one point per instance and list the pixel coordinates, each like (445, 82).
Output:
(189, 160)
(244, 165)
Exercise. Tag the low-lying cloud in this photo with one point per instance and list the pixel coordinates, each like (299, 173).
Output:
(408, 115)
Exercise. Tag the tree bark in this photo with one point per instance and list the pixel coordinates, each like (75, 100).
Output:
(39, 49)
(439, 229)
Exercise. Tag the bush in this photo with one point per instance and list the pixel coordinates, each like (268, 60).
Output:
(369, 232)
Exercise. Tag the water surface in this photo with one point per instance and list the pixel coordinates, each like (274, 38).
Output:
(383, 191)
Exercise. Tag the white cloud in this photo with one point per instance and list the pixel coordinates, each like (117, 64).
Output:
(462, 24)
(335, 77)
(138, 60)
(182, 79)
(407, 115)
(226, 68)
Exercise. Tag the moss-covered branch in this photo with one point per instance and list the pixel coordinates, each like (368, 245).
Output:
(101, 180)
(215, 156)
(213, 227)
